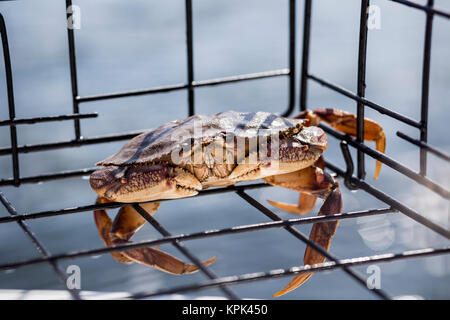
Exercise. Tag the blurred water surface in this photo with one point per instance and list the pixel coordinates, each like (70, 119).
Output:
(137, 44)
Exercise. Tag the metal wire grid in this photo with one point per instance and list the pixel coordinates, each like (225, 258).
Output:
(351, 181)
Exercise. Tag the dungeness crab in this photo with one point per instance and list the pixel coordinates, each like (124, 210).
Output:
(183, 157)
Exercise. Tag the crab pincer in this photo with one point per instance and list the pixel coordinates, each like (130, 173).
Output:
(346, 122)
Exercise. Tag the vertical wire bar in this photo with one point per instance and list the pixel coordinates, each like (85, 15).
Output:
(73, 71)
(362, 55)
(11, 105)
(305, 55)
(292, 45)
(426, 88)
(190, 57)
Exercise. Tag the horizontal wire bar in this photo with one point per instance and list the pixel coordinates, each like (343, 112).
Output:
(48, 119)
(425, 146)
(39, 246)
(436, 11)
(112, 205)
(392, 202)
(311, 243)
(49, 176)
(200, 235)
(72, 143)
(59, 212)
(201, 83)
(388, 161)
(244, 77)
(325, 266)
(351, 95)
(131, 93)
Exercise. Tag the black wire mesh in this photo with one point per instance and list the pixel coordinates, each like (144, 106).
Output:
(351, 181)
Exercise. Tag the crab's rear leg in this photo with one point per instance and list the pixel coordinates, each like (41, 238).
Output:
(315, 182)
(346, 122)
(126, 223)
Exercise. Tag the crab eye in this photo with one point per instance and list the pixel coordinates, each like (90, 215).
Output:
(123, 180)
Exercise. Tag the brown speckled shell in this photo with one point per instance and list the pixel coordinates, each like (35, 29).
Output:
(158, 144)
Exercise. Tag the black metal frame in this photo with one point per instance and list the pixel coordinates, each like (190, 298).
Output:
(351, 181)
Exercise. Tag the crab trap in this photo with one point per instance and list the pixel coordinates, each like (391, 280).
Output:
(350, 176)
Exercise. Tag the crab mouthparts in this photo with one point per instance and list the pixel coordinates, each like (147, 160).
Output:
(144, 183)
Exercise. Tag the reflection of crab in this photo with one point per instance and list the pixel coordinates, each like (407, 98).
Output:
(145, 170)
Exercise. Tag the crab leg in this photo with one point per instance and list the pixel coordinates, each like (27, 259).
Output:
(306, 201)
(127, 223)
(104, 223)
(346, 122)
(316, 183)
(305, 204)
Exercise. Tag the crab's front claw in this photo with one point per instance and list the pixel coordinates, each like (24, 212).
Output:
(126, 223)
(322, 234)
(346, 122)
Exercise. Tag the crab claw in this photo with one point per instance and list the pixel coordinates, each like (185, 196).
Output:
(346, 122)
(126, 223)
